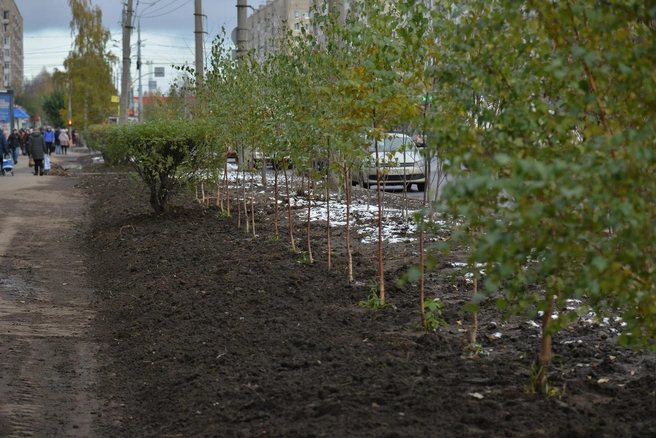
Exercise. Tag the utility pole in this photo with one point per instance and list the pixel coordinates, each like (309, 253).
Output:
(70, 111)
(125, 74)
(242, 28)
(198, 31)
(139, 71)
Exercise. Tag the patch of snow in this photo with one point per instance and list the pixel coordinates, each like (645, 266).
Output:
(572, 341)
(397, 224)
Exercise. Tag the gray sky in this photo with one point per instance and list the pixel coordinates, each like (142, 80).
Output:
(167, 31)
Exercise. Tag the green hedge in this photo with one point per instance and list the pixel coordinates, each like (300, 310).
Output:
(165, 153)
(95, 137)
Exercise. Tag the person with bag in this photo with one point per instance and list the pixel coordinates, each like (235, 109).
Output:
(37, 149)
(14, 144)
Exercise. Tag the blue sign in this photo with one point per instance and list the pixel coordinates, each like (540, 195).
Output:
(6, 112)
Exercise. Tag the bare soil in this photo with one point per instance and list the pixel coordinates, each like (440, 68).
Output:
(48, 371)
(115, 322)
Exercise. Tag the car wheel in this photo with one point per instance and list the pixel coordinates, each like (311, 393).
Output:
(421, 186)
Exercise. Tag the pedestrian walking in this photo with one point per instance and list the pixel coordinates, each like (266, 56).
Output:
(14, 144)
(37, 149)
(49, 138)
(24, 135)
(64, 141)
(57, 144)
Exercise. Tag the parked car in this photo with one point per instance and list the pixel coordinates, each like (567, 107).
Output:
(274, 161)
(401, 163)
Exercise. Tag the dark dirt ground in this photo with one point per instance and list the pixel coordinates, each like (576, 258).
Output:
(208, 331)
(199, 329)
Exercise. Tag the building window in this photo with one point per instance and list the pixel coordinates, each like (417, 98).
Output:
(5, 26)
(7, 53)
(297, 14)
(297, 26)
(6, 15)
(306, 15)
(6, 41)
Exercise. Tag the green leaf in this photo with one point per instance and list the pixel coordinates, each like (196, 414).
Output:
(472, 307)
(414, 274)
(502, 304)
(600, 263)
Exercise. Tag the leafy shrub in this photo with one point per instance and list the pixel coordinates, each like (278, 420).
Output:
(164, 153)
(95, 137)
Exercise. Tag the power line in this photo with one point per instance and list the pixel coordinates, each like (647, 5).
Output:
(167, 12)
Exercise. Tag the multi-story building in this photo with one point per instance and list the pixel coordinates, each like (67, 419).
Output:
(270, 19)
(11, 73)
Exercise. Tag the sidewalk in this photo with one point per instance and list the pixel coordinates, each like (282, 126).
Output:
(48, 368)
(69, 160)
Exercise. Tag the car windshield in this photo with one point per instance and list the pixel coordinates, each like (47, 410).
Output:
(392, 144)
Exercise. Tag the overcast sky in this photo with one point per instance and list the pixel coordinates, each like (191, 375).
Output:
(167, 31)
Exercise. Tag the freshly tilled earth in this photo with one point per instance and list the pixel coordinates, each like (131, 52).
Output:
(209, 331)
(190, 326)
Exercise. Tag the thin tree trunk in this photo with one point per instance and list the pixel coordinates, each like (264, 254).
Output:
(245, 199)
(309, 211)
(275, 199)
(227, 191)
(545, 350)
(406, 188)
(289, 208)
(328, 246)
(225, 186)
(264, 167)
(349, 257)
(421, 276)
(218, 201)
(238, 205)
(253, 203)
(473, 329)
(381, 273)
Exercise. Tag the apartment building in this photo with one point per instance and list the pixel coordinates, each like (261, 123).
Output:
(267, 22)
(11, 71)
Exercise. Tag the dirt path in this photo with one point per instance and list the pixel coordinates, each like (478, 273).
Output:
(47, 358)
